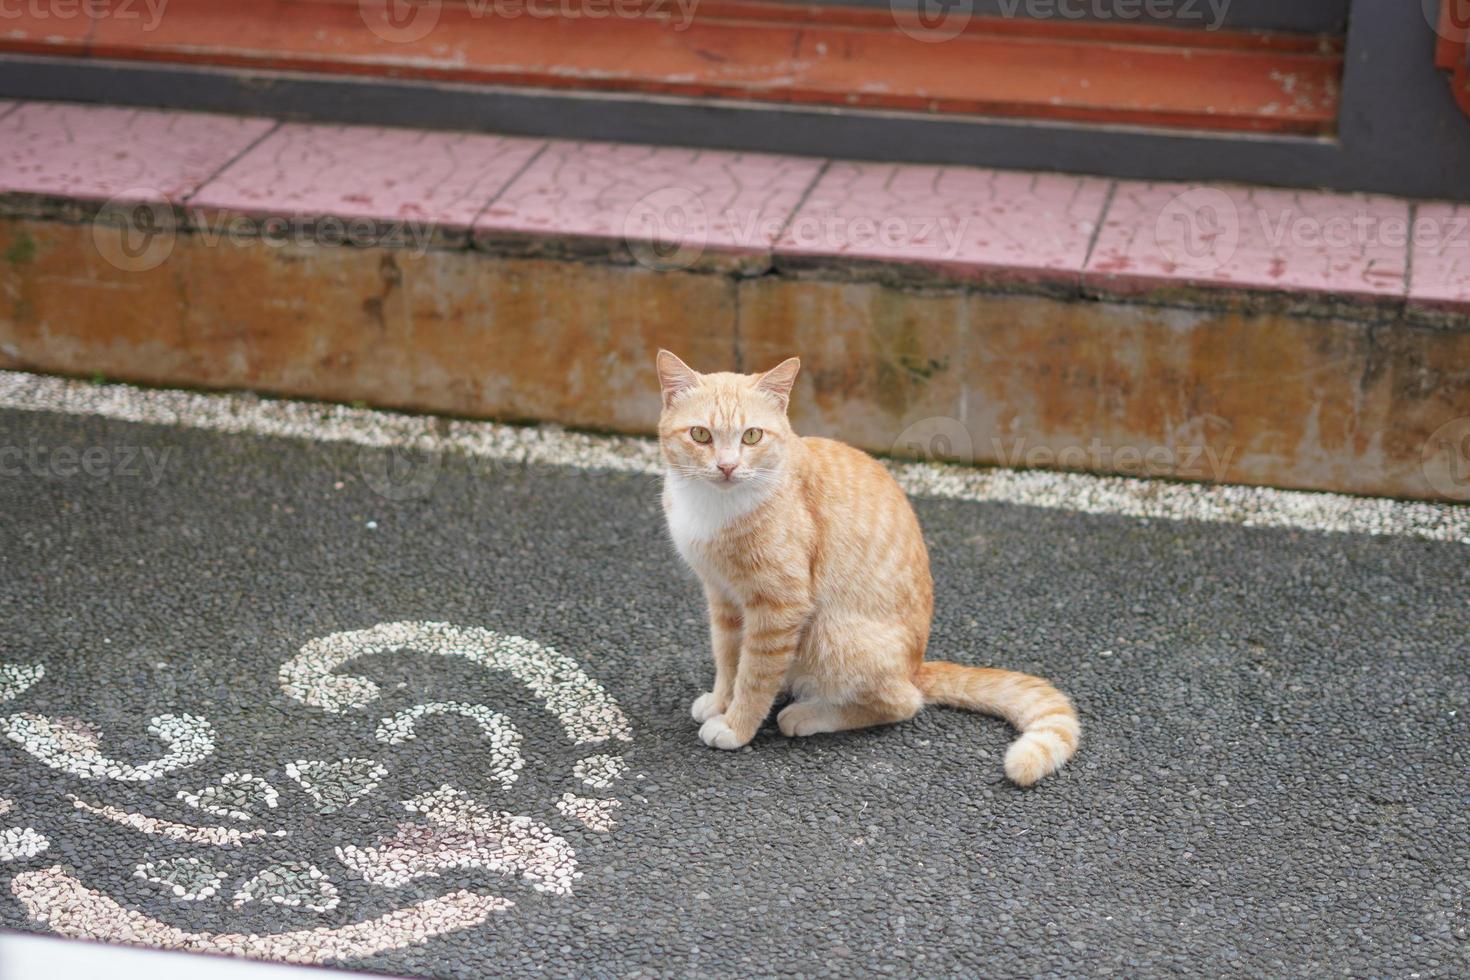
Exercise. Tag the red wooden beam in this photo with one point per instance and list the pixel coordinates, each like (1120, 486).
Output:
(737, 49)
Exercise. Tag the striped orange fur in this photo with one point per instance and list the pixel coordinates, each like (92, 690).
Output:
(817, 578)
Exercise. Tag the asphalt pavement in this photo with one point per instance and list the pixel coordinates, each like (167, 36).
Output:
(1274, 778)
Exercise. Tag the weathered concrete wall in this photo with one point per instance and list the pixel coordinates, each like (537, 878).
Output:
(1286, 400)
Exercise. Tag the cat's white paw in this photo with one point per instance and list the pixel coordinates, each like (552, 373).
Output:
(717, 735)
(802, 718)
(704, 707)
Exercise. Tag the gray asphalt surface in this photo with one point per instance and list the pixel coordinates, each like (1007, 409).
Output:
(1274, 778)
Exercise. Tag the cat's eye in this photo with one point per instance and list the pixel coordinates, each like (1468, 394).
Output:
(700, 435)
(751, 437)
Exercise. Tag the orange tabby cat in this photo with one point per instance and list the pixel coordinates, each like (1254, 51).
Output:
(817, 578)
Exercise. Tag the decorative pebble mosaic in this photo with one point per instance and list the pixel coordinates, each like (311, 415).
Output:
(71, 909)
(594, 814)
(599, 771)
(292, 884)
(72, 746)
(186, 833)
(239, 796)
(256, 822)
(336, 785)
(187, 879)
(461, 833)
(15, 678)
(505, 757)
(579, 702)
(21, 842)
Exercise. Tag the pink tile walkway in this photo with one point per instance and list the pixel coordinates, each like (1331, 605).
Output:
(675, 207)
(96, 153)
(969, 222)
(732, 203)
(443, 179)
(1255, 239)
(1441, 278)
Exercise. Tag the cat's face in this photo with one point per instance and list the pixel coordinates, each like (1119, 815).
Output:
(728, 430)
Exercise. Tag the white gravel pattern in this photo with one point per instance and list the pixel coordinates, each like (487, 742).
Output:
(461, 833)
(186, 833)
(1127, 496)
(586, 711)
(505, 756)
(70, 908)
(62, 744)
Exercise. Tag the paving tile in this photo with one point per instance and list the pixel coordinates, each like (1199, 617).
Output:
(1162, 235)
(677, 205)
(369, 172)
(968, 222)
(1441, 277)
(102, 152)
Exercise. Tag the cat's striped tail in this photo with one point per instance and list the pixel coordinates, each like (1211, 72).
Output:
(1042, 714)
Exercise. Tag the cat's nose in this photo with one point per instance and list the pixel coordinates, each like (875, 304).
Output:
(727, 468)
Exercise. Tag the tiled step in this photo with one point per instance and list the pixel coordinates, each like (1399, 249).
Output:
(1299, 339)
(1116, 73)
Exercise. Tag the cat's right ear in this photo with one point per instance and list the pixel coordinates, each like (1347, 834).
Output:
(674, 376)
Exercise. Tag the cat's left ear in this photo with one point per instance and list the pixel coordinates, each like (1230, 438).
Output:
(674, 376)
(779, 379)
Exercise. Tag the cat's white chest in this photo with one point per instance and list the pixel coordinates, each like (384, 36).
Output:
(698, 512)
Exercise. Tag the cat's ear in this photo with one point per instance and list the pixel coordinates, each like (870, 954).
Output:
(674, 376)
(778, 380)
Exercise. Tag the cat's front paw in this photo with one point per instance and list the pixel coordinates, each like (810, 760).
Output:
(705, 707)
(801, 718)
(718, 735)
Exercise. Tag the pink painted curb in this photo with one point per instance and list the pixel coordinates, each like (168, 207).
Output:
(1251, 239)
(673, 208)
(97, 153)
(387, 175)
